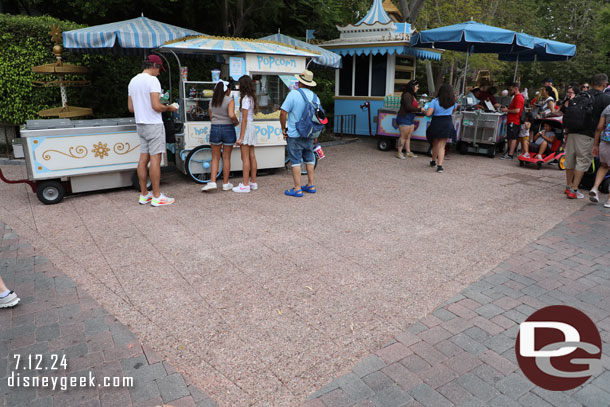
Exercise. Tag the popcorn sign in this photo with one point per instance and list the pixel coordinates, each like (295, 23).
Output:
(275, 63)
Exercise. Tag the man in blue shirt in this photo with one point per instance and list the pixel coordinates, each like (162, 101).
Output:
(300, 149)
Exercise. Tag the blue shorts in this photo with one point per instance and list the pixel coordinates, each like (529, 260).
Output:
(300, 150)
(222, 134)
(408, 120)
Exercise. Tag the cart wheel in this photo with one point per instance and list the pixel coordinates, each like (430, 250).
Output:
(491, 153)
(562, 163)
(538, 165)
(383, 145)
(304, 167)
(50, 192)
(521, 163)
(135, 182)
(198, 164)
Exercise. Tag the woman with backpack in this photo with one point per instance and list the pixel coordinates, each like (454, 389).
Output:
(222, 133)
(406, 118)
(247, 135)
(441, 128)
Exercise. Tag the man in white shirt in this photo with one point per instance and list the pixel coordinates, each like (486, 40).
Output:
(144, 100)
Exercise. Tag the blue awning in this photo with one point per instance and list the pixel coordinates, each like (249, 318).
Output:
(136, 34)
(217, 45)
(473, 37)
(326, 58)
(397, 49)
(544, 50)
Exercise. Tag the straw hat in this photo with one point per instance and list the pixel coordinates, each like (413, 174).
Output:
(306, 78)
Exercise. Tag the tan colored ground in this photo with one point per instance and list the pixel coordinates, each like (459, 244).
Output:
(261, 298)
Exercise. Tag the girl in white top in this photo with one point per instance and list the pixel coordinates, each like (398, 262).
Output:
(247, 134)
(547, 101)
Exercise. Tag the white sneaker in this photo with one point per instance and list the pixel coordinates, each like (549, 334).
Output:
(227, 187)
(242, 188)
(162, 200)
(144, 199)
(9, 301)
(607, 204)
(253, 186)
(593, 197)
(209, 186)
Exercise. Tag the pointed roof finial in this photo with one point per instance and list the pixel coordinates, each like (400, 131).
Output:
(375, 15)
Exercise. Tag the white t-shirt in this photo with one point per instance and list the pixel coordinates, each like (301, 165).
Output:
(140, 88)
(248, 103)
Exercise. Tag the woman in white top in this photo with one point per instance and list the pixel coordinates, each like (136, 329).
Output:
(247, 134)
(547, 101)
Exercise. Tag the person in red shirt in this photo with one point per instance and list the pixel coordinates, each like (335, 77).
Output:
(513, 120)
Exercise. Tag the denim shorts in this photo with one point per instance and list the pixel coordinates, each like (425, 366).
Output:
(222, 134)
(300, 150)
(408, 120)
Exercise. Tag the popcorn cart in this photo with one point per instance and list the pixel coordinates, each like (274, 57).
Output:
(270, 64)
(71, 156)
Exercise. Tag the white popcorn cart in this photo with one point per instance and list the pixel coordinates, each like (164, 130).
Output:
(70, 156)
(272, 66)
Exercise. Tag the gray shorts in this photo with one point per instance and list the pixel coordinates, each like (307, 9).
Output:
(152, 138)
(579, 152)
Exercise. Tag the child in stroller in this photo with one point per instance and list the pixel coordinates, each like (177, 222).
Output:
(546, 145)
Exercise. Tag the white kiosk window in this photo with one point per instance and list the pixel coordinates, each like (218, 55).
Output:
(363, 75)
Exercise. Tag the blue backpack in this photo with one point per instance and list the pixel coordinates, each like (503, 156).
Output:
(313, 118)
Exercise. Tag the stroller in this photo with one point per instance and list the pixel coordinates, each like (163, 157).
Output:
(555, 153)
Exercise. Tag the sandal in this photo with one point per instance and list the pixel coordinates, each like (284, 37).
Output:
(309, 188)
(292, 192)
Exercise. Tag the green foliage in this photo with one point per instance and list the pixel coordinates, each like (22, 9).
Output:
(572, 21)
(25, 43)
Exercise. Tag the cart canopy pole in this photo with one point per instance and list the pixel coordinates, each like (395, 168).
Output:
(516, 65)
(465, 74)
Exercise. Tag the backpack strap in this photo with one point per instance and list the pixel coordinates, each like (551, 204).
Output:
(305, 99)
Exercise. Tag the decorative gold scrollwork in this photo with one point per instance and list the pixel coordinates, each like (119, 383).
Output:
(73, 152)
(101, 150)
(123, 148)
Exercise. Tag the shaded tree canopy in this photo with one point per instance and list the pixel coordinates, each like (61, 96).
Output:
(585, 24)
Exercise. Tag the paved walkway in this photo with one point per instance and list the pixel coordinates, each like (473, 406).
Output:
(55, 318)
(463, 352)
(259, 307)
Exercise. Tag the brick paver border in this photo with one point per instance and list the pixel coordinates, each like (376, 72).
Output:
(56, 317)
(463, 352)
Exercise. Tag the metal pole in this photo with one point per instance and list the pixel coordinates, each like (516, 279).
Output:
(516, 65)
(464, 81)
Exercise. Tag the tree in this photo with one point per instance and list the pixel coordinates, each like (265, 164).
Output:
(410, 9)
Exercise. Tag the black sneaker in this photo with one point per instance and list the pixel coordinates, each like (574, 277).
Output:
(440, 169)
(506, 157)
(432, 163)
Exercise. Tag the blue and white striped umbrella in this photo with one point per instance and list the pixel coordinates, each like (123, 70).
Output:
(137, 34)
(375, 15)
(326, 58)
(217, 45)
